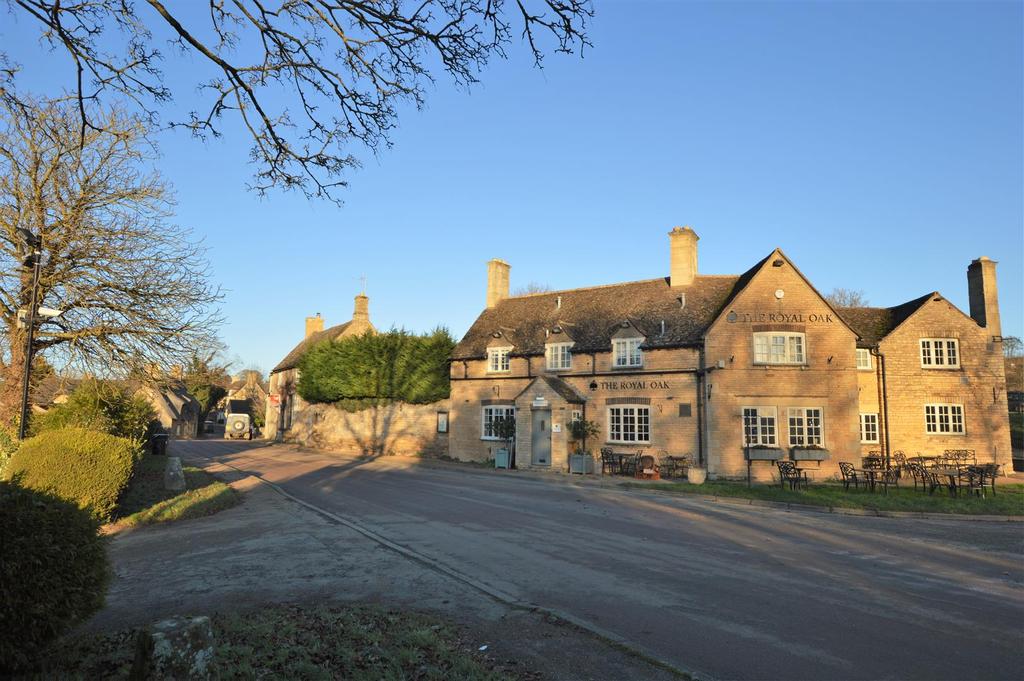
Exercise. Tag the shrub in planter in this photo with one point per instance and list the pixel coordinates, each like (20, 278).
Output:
(87, 467)
(53, 572)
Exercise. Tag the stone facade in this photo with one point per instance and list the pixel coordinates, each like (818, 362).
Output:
(729, 365)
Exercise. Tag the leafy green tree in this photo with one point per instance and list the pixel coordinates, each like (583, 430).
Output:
(207, 381)
(378, 368)
(102, 406)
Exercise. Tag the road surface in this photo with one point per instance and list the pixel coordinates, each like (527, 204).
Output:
(725, 591)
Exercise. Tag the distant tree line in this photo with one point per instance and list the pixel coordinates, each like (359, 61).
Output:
(361, 371)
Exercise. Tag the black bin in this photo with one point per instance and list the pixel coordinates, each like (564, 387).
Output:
(158, 443)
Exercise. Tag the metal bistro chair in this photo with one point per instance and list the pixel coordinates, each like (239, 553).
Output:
(630, 464)
(788, 472)
(890, 476)
(929, 480)
(971, 481)
(609, 462)
(851, 475)
(989, 472)
(901, 461)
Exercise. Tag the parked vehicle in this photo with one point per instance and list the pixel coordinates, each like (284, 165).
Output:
(238, 426)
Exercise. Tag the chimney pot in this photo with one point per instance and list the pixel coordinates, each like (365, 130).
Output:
(497, 281)
(983, 294)
(682, 256)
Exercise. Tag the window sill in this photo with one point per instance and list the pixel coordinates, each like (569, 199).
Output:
(782, 364)
(633, 443)
(954, 367)
(627, 368)
(946, 434)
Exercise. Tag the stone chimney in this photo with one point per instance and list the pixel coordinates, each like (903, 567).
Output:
(682, 244)
(981, 289)
(362, 308)
(314, 325)
(497, 281)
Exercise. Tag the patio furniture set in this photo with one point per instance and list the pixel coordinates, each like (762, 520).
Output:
(957, 470)
(643, 466)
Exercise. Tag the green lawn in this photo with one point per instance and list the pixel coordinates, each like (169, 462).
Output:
(293, 642)
(1008, 500)
(147, 501)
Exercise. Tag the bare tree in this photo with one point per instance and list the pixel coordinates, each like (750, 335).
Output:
(1013, 347)
(531, 288)
(844, 297)
(134, 288)
(344, 65)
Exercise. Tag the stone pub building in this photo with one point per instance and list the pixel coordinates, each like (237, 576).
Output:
(718, 366)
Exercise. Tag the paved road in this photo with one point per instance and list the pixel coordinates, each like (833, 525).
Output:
(728, 592)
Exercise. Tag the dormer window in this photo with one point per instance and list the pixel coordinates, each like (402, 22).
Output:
(559, 356)
(627, 352)
(497, 359)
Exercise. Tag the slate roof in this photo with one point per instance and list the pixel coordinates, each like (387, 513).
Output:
(590, 316)
(873, 324)
(291, 360)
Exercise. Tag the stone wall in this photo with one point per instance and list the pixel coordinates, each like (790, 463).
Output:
(395, 429)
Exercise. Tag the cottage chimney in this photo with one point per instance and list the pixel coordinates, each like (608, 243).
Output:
(682, 243)
(981, 289)
(314, 325)
(362, 308)
(497, 281)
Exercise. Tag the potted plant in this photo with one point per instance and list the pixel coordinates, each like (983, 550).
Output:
(504, 428)
(580, 460)
(809, 453)
(764, 453)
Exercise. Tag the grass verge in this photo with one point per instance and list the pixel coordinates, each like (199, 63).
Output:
(294, 642)
(146, 501)
(1008, 500)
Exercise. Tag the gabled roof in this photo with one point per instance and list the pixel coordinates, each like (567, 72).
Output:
(872, 324)
(564, 390)
(291, 360)
(591, 315)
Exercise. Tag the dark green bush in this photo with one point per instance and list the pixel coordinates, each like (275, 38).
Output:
(378, 368)
(53, 572)
(102, 406)
(90, 468)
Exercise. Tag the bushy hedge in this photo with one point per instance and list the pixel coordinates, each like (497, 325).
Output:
(53, 572)
(376, 368)
(90, 468)
(102, 406)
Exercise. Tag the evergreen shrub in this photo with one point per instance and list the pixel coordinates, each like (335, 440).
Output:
(102, 406)
(53, 572)
(371, 369)
(87, 467)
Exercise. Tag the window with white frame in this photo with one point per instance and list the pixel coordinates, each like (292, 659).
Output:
(864, 359)
(944, 419)
(559, 355)
(577, 415)
(940, 352)
(627, 352)
(629, 424)
(805, 427)
(759, 426)
(869, 428)
(491, 414)
(497, 359)
(779, 348)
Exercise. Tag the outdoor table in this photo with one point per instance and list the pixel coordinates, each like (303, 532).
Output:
(951, 472)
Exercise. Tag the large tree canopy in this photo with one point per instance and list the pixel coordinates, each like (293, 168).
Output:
(134, 288)
(375, 368)
(306, 78)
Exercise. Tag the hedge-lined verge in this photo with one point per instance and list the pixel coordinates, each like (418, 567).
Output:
(90, 468)
(53, 572)
(103, 406)
(371, 369)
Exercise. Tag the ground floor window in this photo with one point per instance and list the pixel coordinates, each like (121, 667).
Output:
(759, 426)
(491, 414)
(869, 428)
(629, 424)
(805, 427)
(944, 418)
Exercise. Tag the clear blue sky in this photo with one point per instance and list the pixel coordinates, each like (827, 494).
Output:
(879, 144)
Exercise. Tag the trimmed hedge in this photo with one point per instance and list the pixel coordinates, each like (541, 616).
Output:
(87, 467)
(53, 572)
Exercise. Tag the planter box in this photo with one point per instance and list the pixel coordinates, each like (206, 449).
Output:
(769, 454)
(501, 458)
(696, 476)
(581, 463)
(801, 454)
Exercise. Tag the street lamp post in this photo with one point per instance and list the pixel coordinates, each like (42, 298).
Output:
(33, 245)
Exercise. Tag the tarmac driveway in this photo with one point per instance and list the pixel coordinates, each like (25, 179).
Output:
(723, 591)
